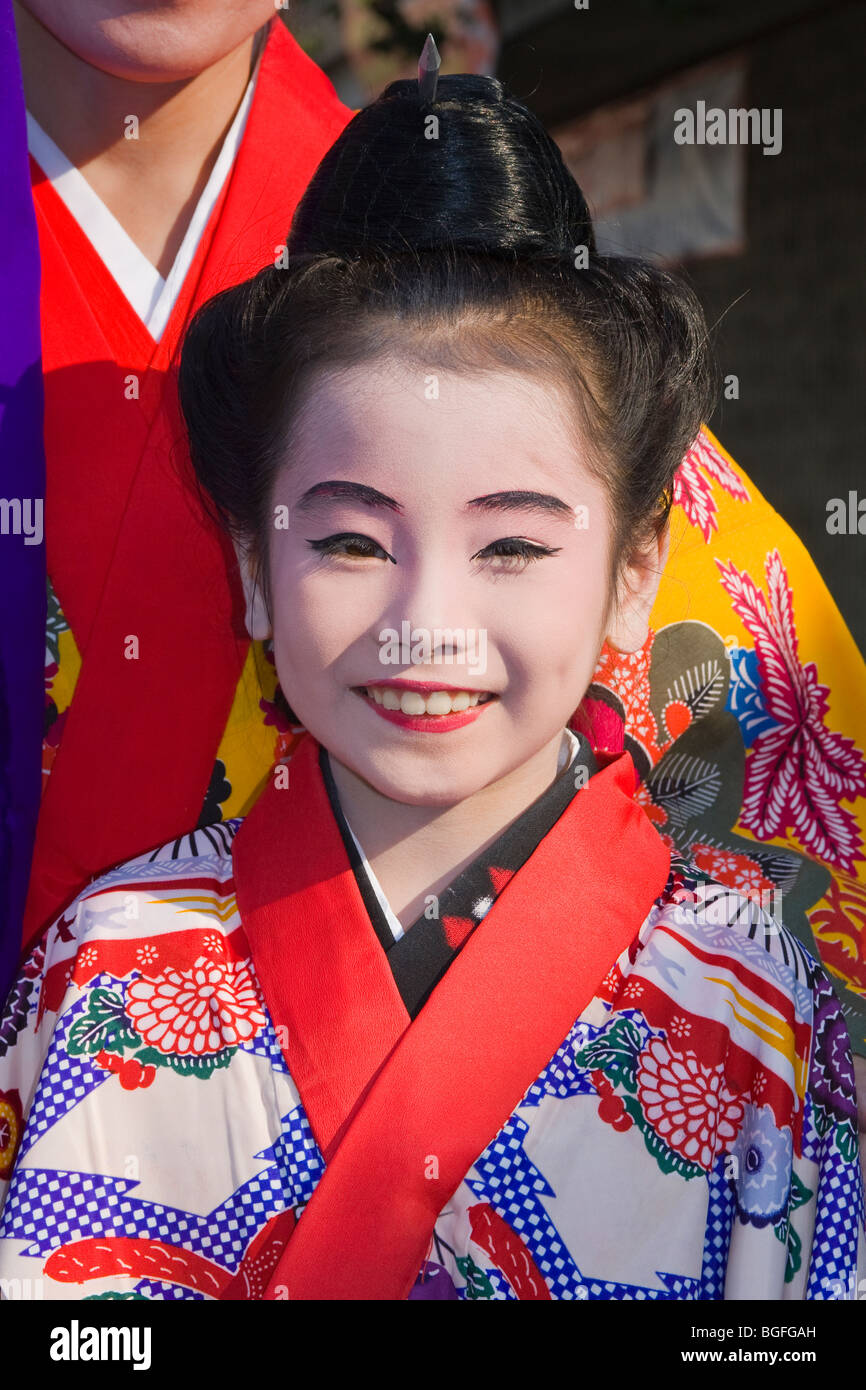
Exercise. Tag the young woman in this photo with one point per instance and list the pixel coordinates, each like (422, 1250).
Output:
(441, 1017)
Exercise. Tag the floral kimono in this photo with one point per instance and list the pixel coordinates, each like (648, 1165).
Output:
(587, 1071)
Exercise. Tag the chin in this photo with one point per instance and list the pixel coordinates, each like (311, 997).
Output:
(121, 56)
(147, 45)
(414, 781)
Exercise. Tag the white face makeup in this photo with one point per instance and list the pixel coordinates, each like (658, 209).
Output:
(439, 580)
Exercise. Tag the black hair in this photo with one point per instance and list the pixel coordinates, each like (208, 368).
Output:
(451, 235)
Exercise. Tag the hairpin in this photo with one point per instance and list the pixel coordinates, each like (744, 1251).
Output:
(428, 71)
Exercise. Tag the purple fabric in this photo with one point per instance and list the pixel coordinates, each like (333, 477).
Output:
(22, 486)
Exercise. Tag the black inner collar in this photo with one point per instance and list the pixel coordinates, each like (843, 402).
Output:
(419, 959)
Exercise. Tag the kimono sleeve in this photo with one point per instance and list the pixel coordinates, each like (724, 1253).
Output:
(826, 1228)
(59, 1027)
(27, 1027)
(132, 1170)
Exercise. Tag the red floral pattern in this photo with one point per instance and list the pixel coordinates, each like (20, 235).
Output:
(693, 484)
(688, 1104)
(199, 1011)
(798, 771)
(628, 674)
(735, 871)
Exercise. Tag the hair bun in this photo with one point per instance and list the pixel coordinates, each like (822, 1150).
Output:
(486, 177)
(455, 252)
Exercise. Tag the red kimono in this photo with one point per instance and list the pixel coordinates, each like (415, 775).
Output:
(591, 1072)
(130, 554)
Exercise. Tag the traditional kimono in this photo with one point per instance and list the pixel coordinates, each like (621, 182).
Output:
(744, 712)
(158, 711)
(584, 1072)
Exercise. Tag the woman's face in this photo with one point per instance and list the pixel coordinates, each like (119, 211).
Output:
(449, 543)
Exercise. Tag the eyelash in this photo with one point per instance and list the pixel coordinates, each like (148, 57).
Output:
(514, 547)
(336, 545)
(511, 547)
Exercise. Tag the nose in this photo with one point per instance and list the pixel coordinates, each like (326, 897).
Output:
(431, 598)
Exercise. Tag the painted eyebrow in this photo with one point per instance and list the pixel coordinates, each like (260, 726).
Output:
(522, 502)
(340, 489)
(519, 501)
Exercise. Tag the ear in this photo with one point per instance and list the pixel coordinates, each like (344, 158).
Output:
(628, 623)
(256, 618)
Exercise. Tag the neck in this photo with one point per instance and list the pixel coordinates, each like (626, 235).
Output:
(150, 183)
(417, 850)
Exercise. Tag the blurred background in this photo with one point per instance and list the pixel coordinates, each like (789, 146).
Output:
(773, 243)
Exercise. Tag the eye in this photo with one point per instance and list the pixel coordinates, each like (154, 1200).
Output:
(351, 545)
(513, 553)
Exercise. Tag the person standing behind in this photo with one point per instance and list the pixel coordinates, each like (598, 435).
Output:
(168, 150)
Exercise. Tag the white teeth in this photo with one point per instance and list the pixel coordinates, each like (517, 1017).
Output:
(413, 702)
(438, 702)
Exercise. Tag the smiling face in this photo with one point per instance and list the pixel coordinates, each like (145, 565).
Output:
(439, 580)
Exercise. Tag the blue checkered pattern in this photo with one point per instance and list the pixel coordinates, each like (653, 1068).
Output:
(65, 1080)
(50, 1208)
(677, 1287)
(562, 1077)
(513, 1186)
(265, 1044)
(840, 1213)
(721, 1209)
(813, 1143)
(298, 1157)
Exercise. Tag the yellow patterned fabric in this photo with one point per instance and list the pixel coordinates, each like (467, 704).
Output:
(745, 715)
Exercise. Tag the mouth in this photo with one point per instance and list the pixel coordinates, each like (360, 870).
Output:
(426, 708)
(419, 701)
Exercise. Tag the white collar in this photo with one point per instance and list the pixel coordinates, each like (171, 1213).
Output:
(151, 296)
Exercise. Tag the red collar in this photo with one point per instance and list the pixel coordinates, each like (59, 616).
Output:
(383, 1094)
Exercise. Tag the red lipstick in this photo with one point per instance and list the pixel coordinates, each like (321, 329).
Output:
(424, 687)
(425, 723)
